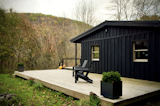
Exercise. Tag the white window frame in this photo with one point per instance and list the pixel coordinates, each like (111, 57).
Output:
(134, 53)
(94, 59)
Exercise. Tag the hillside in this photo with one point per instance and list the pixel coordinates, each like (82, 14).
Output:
(54, 33)
(39, 41)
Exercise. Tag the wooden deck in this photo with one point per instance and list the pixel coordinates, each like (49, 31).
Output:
(68, 68)
(61, 80)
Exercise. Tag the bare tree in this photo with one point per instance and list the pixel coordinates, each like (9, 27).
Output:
(121, 9)
(85, 12)
(147, 7)
(133, 9)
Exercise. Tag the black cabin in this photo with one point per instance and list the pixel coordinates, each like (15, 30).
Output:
(129, 47)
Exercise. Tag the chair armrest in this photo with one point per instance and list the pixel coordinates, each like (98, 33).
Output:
(81, 69)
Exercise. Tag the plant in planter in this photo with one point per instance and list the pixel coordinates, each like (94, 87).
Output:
(20, 67)
(111, 85)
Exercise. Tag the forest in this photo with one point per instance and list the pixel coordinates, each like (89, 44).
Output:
(37, 40)
(41, 41)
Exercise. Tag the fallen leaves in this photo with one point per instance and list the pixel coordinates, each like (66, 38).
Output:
(28, 96)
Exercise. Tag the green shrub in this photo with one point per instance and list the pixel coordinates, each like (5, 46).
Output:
(111, 76)
(20, 64)
(94, 100)
(84, 102)
(38, 85)
(31, 81)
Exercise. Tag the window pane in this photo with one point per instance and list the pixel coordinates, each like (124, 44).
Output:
(95, 48)
(142, 55)
(141, 45)
(95, 55)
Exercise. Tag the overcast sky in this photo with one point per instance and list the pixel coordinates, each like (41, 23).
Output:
(51, 7)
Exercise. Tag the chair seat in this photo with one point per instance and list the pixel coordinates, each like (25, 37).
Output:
(80, 75)
(79, 72)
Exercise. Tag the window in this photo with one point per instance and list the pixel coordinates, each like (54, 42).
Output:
(140, 51)
(95, 53)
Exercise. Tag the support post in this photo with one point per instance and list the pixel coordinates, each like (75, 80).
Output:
(75, 54)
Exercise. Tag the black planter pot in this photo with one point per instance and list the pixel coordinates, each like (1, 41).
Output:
(20, 68)
(111, 90)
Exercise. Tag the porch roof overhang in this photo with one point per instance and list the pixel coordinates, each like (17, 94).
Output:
(117, 23)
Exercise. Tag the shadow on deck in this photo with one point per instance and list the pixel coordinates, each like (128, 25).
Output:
(134, 90)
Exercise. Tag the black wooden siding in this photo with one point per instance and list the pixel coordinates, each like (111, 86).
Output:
(116, 51)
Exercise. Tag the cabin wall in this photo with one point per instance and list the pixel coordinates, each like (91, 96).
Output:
(157, 55)
(116, 52)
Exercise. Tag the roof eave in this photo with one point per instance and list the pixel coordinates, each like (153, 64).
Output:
(117, 23)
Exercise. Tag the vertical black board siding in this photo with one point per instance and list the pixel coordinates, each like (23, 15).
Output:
(112, 55)
(151, 55)
(105, 33)
(146, 67)
(98, 67)
(82, 55)
(141, 36)
(141, 70)
(130, 52)
(127, 56)
(116, 54)
(86, 47)
(93, 64)
(106, 56)
(117, 31)
(102, 33)
(157, 48)
(125, 30)
(146, 72)
(102, 56)
(84, 51)
(109, 32)
(131, 57)
(89, 53)
(123, 55)
(130, 30)
(136, 69)
(109, 54)
(114, 31)
(136, 64)
(103, 30)
(120, 55)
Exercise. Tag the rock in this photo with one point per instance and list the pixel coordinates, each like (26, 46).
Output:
(6, 97)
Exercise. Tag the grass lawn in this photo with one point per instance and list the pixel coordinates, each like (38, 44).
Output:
(37, 95)
(32, 96)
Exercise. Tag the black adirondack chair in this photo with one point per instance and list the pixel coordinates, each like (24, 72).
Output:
(79, 72)
(80, 66)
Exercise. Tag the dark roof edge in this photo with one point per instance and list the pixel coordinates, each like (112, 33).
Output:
(118, 23)
(88, 32)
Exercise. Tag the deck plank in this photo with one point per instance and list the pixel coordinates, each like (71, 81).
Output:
(62, 80)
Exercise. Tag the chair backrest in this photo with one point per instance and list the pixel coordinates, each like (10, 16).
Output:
(90, 64)
(84, 63)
